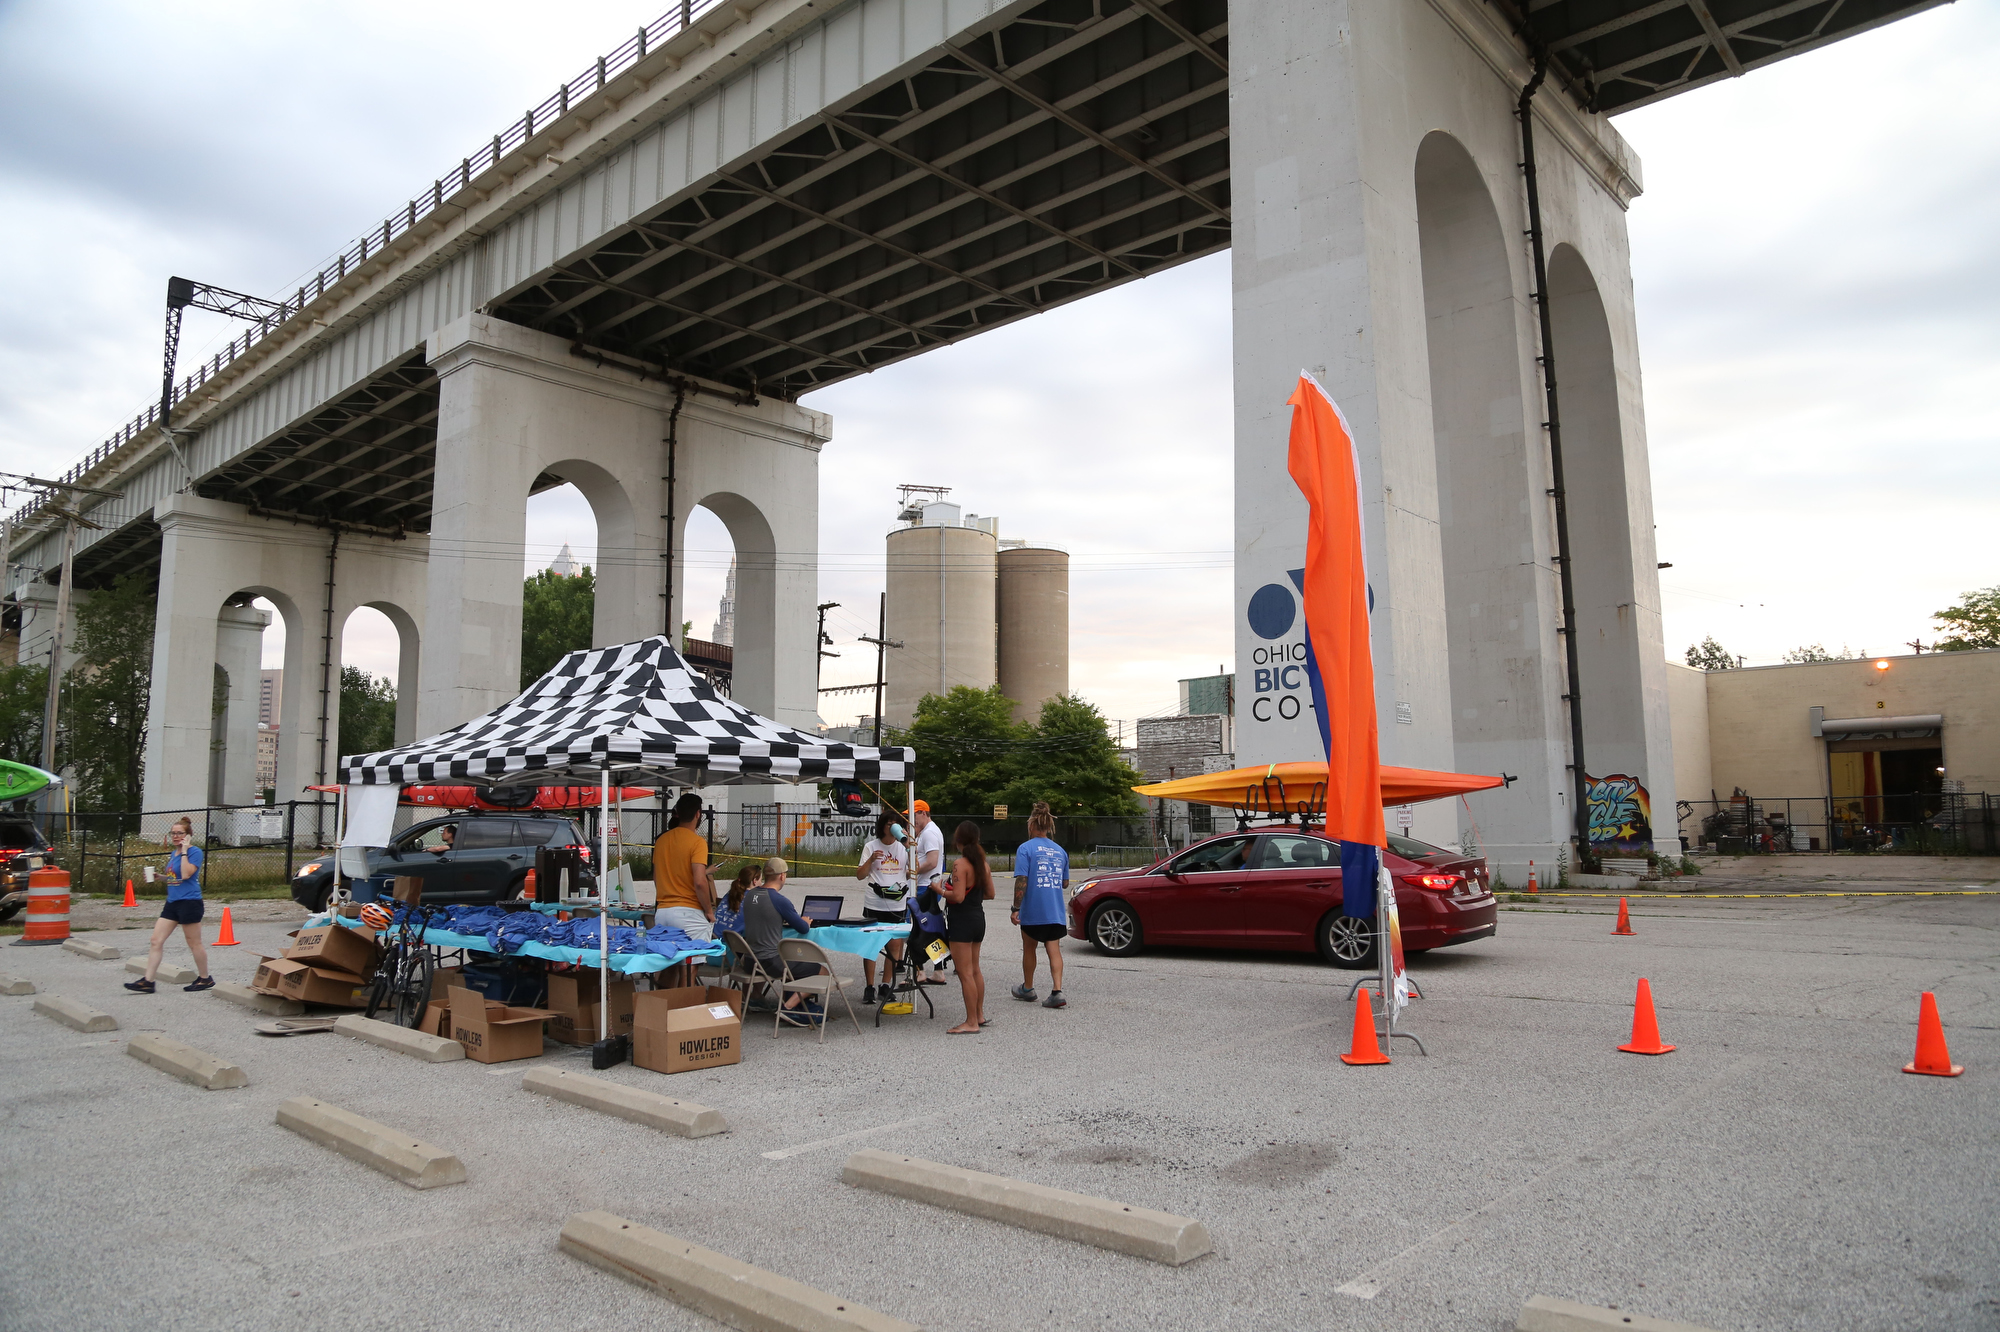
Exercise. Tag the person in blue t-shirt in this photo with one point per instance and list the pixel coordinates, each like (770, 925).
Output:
(1041, 909)
(183, 908)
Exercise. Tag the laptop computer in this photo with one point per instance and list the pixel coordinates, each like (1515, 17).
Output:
(822, 910)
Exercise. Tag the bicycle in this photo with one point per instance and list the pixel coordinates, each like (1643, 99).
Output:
(403, 978)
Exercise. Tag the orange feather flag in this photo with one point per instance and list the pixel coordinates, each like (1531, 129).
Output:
(1325, 465)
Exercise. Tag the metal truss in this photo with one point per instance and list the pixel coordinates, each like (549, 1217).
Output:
(1079, 147)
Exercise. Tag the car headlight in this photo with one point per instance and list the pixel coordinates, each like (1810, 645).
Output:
(309, 869)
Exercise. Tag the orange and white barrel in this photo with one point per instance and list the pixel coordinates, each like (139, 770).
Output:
(48, 907)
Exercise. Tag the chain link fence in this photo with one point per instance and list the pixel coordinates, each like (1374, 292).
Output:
(1915, 823)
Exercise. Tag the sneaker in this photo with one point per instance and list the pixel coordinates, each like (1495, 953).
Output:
(1024, 993)
(140, 986)
(1055, 1000)
(794, 1017)
(201, 983)
(867, 995)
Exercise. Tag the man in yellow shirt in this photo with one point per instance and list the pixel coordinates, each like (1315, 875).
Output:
(681, 875)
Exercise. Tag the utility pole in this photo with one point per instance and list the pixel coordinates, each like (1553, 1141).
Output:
(882, 643)
(824, 643)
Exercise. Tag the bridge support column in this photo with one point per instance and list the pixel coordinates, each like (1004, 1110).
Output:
(1378, 220)
(517, 410)
(239, 651)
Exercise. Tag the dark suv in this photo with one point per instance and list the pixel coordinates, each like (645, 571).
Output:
(471, 858)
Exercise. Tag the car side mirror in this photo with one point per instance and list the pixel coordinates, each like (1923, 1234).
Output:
(395, 853)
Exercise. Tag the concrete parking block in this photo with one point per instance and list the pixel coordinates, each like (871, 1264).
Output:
(170, 973)
(1139, 1231)
(397, 1155)
(711, 1283)
(73, 1014)
(16, 985)
(430, 1049)
(204, 1070)
(276, 1005)
(615, 1098)
(97, 952)
(1543, 1313)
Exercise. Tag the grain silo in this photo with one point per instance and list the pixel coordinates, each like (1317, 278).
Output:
(1033, 601)
(942, 579)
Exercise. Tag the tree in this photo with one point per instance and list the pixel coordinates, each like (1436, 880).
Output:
(23, 690)
(557, 612)
(367, 712)
(1710, 655)
(1072, 762)
(966, 743)
(1819, 652)
(1973, 623)
(106, 696)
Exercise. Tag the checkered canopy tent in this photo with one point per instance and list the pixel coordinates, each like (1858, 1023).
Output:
(643, 707)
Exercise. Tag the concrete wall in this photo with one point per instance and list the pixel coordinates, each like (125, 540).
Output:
(1687, 699)
(1760, 733)
(1375, 156)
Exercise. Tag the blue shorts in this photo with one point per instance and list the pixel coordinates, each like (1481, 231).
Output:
(187, 912)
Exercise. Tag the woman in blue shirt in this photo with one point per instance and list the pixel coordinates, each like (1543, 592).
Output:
(1041, 881)
(183, 908)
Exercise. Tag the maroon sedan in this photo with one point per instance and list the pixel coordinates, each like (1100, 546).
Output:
(1279, 888)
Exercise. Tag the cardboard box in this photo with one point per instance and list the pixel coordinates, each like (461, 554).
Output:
(572, 1006)
(494, 1033)
(316, 985)
(442, 979)
(437, 1019)
(694, 1027)
(340, 947)
(265, 981)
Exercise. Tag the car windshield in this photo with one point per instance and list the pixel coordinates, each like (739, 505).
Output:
(1224, 853)
(1411, 849)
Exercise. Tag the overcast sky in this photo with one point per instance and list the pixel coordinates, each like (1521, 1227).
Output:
(1818, 297)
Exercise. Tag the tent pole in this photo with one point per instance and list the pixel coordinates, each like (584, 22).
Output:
(604, 910)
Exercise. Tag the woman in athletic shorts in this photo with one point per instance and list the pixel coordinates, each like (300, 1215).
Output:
(966, 894)
(885, 868)
(183, 910)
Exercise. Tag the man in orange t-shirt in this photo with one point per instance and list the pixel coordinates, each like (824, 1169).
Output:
(681, 876)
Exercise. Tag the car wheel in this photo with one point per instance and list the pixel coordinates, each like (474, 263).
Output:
(517, 889)
(1114, 930)
(325, 896)
(9, 912)
(1347, 942)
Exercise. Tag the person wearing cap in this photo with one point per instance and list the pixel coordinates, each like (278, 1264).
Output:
(766, 913)
(927, 853)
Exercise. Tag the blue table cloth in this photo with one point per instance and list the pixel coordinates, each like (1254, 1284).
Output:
(637, 958)
(864, 941)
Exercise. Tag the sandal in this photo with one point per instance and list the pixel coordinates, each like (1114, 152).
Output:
(140, 986)
(201, 983)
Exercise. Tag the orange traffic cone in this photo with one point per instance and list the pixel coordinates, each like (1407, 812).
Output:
(130, 899)
(1533, 887)
(1932, 1055)
(226, 937)
(1367, 1050)
(1645, 1027)
(1624, 920)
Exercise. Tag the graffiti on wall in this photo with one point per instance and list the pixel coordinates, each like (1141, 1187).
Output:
(1621, 815)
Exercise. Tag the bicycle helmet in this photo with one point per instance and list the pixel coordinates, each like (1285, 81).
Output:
(377, 917)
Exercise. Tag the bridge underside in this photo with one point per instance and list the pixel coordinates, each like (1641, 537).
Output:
(1083, 144)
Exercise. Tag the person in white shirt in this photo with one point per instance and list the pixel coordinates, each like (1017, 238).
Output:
(885, 868)
(928, 872)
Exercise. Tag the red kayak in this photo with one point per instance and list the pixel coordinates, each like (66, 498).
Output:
(515, 798)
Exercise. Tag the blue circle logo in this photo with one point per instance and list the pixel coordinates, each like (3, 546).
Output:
(1272, 611)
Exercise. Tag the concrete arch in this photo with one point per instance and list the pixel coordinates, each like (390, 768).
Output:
(623, 572)
(409, 659)
(1604, 569)
(755, 669)
(1489, 482)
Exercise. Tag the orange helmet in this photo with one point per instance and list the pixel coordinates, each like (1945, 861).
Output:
(377, 917)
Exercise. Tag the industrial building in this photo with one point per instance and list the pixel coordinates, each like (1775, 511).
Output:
(968, 608)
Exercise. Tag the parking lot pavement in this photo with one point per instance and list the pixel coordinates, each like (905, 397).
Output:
(1777, 1171)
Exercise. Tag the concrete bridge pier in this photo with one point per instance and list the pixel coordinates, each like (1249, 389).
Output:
(1379, 224)
(216, 556)
(517, 412)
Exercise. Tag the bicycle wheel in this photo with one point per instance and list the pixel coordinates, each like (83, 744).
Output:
(413, 990)
(382, 992)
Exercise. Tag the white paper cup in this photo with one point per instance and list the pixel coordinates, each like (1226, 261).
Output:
(149, 874)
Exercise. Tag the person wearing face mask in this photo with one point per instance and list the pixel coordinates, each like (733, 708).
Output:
(885, 868)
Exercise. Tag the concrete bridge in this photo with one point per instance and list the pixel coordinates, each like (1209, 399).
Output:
(744, 202)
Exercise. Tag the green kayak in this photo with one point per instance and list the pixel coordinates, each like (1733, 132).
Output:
(23, 779)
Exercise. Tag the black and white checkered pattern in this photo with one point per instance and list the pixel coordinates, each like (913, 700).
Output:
(639, 706)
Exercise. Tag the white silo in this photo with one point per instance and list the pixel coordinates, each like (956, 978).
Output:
(943, 576)
(1033, 605)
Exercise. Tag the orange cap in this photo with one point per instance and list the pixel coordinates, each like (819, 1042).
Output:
(923, 805)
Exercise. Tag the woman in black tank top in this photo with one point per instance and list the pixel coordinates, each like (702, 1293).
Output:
(966, 894)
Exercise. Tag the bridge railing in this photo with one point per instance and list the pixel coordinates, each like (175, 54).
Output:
(335, 270)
